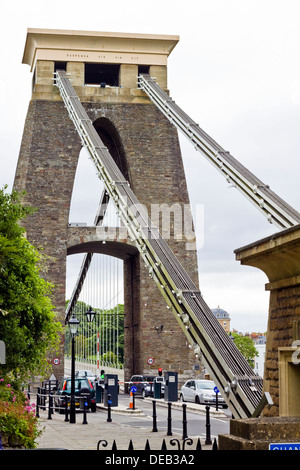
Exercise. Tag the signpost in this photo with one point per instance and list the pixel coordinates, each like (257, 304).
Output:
(133, 390)
(216, 390)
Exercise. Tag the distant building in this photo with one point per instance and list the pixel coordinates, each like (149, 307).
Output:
(259, 339)
(259, 361)
(223, 317)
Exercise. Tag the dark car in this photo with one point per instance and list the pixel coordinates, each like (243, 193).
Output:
(83, 388)
(143, 383)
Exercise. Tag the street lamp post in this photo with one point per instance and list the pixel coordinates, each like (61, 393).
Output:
(73, 324)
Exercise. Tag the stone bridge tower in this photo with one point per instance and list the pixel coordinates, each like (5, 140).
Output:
(103, 68)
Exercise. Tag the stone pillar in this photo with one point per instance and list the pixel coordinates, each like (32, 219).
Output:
(279, 257)
(128, 75)
(76, 71)
(46, 171)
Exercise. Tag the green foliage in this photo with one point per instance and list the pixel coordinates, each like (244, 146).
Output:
(246, 347)
(106, 322)
(27, 320)
(18, 423)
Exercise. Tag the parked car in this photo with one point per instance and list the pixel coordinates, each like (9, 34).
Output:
(143, 383)
(83, 388)
(201, 391)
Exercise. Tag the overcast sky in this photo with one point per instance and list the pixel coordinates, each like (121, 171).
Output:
(236, 72)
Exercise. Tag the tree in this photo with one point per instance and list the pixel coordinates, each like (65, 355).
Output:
(246, 347)
(27, 320)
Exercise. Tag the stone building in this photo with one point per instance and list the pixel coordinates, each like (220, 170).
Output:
(223, 318)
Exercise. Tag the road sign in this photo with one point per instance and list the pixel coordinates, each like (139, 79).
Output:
(216, 390)
(56, 361)
(133, 389)
(150, 361)
(285, 446)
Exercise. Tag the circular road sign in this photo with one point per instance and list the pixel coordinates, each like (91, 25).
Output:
(56, 361)
(216, 390)
(150, 361)
(133, 389)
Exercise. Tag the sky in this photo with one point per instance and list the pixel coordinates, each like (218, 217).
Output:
(236, 72)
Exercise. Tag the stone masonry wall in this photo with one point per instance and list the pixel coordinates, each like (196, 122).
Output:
(46, 170)
(284, 311)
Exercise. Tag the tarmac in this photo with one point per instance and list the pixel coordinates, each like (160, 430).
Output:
(100, 434)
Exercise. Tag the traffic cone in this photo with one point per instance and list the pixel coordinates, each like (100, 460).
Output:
(131, 401)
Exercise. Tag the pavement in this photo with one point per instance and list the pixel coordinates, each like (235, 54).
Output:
(99, 434)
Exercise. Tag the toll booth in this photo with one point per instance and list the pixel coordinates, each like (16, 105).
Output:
(171, 386)
(111, 387)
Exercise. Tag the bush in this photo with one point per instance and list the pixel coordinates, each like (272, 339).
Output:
(18, 423)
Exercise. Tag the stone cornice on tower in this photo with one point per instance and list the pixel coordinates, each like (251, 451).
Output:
(94, 46)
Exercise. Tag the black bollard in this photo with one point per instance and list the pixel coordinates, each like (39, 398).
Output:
(208, 438)
(43, 399)
(37, 410)
(66, 410)
(154, 429)
(169, 432)
(84, 421)
(50, 410)
(184, 422)
(109, 420)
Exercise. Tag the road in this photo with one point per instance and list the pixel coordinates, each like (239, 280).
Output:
(196, 422)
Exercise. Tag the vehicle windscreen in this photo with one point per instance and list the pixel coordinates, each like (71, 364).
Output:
(206, 385)
(79, 384)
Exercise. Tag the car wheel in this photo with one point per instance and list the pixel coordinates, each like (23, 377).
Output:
(197, 400)
(144, 394)
(181, 397)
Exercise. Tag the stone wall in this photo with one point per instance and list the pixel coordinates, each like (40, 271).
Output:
(46, 170)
